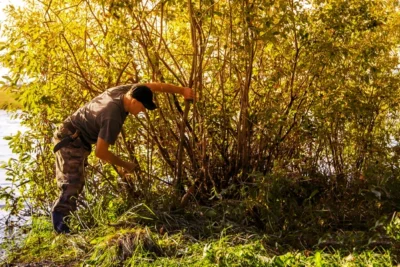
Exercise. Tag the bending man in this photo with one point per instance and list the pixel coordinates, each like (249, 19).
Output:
(98, 122)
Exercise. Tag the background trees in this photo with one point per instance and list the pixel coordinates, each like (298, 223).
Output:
(297, 102)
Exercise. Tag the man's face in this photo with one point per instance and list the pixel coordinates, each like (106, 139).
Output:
(135, 107)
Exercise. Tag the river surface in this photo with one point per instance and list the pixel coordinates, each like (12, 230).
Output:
(8, 127)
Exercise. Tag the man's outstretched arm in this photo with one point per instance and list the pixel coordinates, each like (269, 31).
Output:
(187, 92)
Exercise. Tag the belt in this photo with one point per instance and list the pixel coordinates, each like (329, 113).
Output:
(70, 138)
(68, 124)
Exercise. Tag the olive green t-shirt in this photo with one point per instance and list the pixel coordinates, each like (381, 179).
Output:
(103, 116)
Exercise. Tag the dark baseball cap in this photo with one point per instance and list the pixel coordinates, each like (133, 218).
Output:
(143, 94)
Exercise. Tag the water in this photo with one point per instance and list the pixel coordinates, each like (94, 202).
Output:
(8, 127)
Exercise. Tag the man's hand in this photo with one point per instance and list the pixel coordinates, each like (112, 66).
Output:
(188, 93)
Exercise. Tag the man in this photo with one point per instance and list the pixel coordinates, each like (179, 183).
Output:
(98, 122)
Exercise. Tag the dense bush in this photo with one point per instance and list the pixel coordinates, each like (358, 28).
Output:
(295, 126)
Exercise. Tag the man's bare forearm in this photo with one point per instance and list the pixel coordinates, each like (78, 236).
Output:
(115, 160)
(165, 88)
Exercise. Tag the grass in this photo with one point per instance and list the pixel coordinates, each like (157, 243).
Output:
(176, 240)
(114, 233)
(7, 100)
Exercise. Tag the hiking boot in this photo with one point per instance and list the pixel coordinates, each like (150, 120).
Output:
(59, 223)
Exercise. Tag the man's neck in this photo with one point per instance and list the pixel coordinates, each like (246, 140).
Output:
(126, 101)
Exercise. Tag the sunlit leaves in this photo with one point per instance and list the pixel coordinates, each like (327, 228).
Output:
(302, 85)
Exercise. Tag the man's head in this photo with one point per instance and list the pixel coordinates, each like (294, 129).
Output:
(138, 99)
(144, 95)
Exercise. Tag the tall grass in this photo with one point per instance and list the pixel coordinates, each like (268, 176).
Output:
(183, 239)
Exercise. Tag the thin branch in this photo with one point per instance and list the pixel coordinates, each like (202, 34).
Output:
(94, 16)
(121, 72)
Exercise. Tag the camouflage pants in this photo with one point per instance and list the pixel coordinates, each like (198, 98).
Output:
(70, 167)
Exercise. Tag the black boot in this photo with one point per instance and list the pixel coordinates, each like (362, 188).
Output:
(59, 224)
